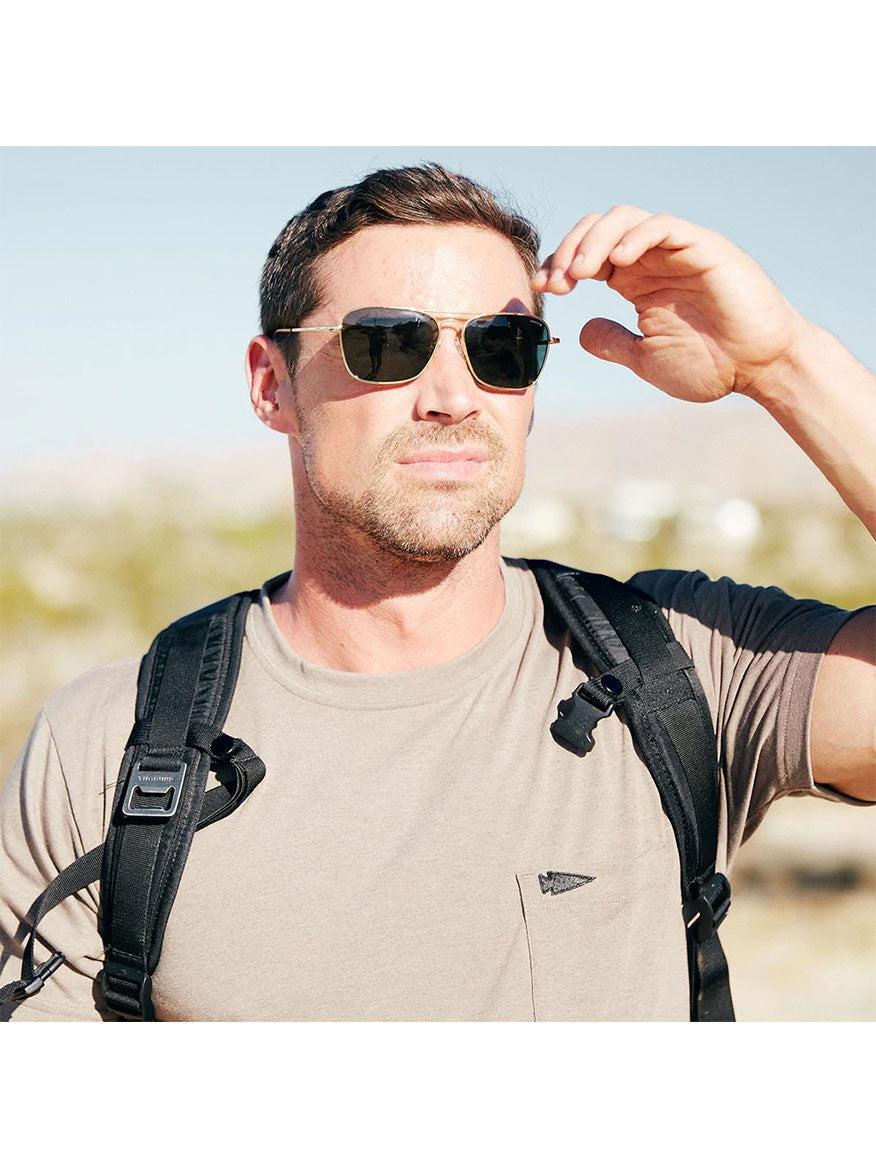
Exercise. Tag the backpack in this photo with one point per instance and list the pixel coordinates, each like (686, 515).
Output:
(184, 691)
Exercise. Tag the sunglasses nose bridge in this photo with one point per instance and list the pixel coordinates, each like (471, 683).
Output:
(457, 329)
(449, 390)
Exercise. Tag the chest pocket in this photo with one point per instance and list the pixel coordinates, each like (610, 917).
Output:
(609, 948)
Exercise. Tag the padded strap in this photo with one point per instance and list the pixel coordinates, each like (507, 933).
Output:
(647, 673)
(239, 770)
(186, 684)
(680, 713)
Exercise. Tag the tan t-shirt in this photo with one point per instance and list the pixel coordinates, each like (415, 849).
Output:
(387, 868)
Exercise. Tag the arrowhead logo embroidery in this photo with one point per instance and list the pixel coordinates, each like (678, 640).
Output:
(554, 882)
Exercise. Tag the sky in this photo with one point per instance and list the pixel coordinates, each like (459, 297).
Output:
(130, 275)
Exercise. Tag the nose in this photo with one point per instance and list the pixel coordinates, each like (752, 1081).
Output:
(446, 390)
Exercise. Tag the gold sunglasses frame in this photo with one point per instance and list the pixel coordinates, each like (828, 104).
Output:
(437, 317)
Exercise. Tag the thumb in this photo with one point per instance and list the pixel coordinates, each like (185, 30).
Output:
(610, 341)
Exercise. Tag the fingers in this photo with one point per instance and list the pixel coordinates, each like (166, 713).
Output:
(592, 254)
(598, 243)
(655, 231)
(610, 341)
(551, 276)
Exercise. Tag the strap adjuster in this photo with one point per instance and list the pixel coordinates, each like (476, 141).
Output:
(710, 907)
(127, 991)
(153, 779)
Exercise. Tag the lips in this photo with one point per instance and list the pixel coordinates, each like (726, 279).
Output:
(459, 454)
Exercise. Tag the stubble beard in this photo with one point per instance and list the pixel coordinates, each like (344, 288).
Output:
(431, 521)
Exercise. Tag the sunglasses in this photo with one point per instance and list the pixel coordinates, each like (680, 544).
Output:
(385, 346)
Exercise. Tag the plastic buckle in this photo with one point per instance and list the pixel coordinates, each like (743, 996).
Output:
(591, 701)
(120, 984)
(41, 975)
(153, 779)
(710, 907)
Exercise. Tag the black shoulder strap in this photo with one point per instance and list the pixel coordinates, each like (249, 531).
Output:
(646, 672)
(185, 687)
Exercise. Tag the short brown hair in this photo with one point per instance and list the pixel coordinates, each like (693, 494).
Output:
(428, 193)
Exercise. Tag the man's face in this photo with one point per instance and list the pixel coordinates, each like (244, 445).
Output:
(385, 461)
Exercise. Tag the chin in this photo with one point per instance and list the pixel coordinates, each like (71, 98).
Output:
(425, 536)
(436, 552)
(427, 524)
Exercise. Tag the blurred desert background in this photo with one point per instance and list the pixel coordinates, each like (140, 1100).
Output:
(102, 548)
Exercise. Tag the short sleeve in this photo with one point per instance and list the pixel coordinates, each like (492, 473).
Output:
(757, 652)
(39, 837)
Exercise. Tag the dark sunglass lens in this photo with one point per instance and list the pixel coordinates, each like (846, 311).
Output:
(506, 351)
(383, 345)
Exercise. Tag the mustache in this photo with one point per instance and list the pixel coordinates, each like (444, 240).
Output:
(410, 439)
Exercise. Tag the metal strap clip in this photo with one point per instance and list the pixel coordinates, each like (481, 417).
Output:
(149, 780)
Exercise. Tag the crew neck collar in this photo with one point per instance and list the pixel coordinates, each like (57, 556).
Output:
(410, 687)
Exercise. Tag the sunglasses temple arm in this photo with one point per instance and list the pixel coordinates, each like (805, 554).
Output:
(316, 328)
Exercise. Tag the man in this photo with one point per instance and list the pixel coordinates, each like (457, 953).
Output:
(399, 685)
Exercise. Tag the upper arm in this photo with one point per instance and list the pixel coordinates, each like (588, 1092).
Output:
(760, 655)
(843, 727)
(39, 838)
(54, 808)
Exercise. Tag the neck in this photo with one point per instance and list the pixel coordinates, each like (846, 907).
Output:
(353, 606)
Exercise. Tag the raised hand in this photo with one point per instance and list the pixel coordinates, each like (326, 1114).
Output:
(711, 320)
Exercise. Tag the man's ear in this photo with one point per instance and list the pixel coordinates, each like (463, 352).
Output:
(270, 390)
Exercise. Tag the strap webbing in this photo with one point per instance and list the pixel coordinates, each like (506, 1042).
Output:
(76, 876)
(712, 1001)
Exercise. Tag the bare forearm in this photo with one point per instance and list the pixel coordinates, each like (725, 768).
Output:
(826, 401)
